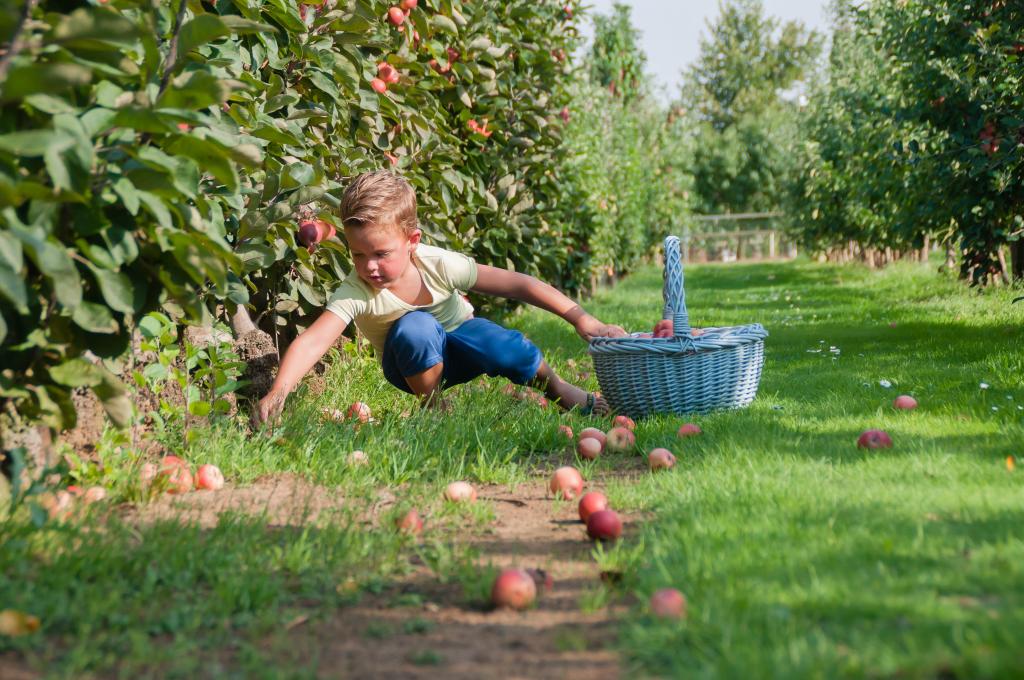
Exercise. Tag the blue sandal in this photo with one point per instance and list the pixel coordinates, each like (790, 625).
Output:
(588, 409)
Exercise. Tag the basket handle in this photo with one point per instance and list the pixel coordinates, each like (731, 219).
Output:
(673, 292)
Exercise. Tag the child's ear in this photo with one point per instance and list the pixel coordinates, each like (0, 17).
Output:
(414, 237)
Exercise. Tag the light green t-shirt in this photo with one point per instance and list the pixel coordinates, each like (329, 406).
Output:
(446, 275)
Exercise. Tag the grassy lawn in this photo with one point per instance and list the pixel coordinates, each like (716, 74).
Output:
(800, 555)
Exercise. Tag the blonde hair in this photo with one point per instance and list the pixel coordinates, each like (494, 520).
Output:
(380, 199)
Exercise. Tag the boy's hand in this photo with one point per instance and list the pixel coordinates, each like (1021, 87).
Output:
(269, 408)
(589, 327)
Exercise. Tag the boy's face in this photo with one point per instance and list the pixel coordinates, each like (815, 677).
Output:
(381, 255)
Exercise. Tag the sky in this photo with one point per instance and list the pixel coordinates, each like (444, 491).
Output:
(670, 31)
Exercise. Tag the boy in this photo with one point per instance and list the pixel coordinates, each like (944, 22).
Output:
(406, 298)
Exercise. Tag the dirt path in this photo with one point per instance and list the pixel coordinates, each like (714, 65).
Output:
(556, 639)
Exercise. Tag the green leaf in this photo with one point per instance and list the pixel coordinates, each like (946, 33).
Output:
(77, 372)
(116, 289)
(30, 79)
(86, 27)
(32, 143)
(242, 26)
(113, 395)
(200, 30)
(210, 156)
(53, 261)
(125, 190)
(94, 318)
(256, 256)
(443, 23)
(199, 409)
(194, 91)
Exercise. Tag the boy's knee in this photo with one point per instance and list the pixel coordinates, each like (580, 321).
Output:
(415, 329)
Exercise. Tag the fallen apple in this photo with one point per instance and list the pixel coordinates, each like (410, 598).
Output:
(604, 525)
(358, 458)
(620, 439)
(460, 492)
(668, 603)
(591, 502)
(661, 459)
(594, 433)
(209, 477)
(514, 588)
(905, 402)
(410, 523)
(588, 448)
(358, 411)
(567, 482)
(874, 439)
(689, 430)
(565, 431)
(626, 422)
(177, 473)
(94, 494)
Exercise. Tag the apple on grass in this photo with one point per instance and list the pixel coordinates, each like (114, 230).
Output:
(514, 589)
(410, 523)
(594, 433)
(604, 525)
(588, 448)
(567, 483)
(209, 477)
(591, 502)
(460, 492)
(874, 439)
(620, 439)
(689, 430)
(661, 459)
(668, 603)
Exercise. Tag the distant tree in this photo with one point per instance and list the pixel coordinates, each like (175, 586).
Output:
(616, 60)
(735, 94)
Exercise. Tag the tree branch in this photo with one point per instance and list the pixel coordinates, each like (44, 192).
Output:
(16, 43)
(172, 54)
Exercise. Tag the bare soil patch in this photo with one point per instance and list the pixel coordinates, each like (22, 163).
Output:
(555, 639)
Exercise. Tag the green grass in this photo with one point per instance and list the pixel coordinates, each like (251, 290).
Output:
(800, 555)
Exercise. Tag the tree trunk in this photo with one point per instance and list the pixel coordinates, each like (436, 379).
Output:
(1017, 257)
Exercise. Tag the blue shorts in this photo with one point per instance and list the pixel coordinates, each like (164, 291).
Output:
(477, 347)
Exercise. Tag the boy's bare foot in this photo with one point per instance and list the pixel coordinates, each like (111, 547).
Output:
(570, 397)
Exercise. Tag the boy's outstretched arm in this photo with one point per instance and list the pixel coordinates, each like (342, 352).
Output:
(525, 288)
(302, 354)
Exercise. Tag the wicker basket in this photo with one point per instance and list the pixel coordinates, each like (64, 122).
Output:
(718, 370)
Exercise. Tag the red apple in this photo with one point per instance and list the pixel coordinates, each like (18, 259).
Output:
(565, 431)
(626, 422)
(94, 494)
(209, 477)
(591, 502)
(664, 329)
(460, 492)
(567, 482)
(661, 459)
(874, 439)
(564, 113)
(410, 523)
(905, 402)
(379, 86)
(387, 72)
(668, 603)
(178, 474)
(588, 448)
(309, 233)
(396, 16)
(689, 430)
(620, 439)
(408, 4)
(359, 411)
(514, 588)
(453, 54)
(358, 458)
(594, 433)
(604, 525)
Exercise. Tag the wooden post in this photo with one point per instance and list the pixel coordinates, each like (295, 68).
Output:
(739, 248)
(771, 244)
(1017, 257)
